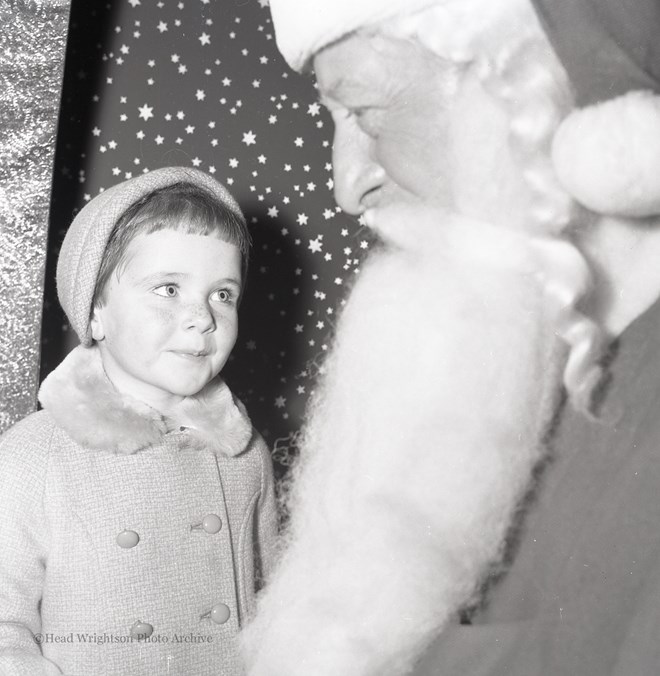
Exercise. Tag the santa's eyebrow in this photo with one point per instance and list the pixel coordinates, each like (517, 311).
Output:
(344, 86)
(348, 92)
(335, 86)
(330, 98)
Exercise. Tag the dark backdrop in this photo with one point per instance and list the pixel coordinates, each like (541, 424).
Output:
(200, 83)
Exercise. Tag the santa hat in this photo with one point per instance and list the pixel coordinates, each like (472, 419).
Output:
(303, 27)
(606, 152)
(84, 245)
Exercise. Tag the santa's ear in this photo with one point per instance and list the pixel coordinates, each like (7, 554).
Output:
(96, 323)
(607, 155)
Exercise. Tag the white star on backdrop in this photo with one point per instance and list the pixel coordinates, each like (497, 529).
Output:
(146, 112)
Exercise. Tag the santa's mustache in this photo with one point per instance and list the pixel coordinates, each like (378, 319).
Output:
(421, 441)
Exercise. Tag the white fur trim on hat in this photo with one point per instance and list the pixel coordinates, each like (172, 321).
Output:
(303, 27)
(84, 244)
(607, 156)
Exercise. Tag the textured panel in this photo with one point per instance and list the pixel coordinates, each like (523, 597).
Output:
(32, 42)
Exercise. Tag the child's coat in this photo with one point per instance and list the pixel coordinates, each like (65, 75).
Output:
(94, 464)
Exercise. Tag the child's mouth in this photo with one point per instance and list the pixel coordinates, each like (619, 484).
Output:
(190, 354)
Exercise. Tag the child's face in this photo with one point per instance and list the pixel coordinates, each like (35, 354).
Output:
(170, 321)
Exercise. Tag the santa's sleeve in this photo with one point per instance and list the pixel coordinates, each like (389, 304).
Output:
(23, 547)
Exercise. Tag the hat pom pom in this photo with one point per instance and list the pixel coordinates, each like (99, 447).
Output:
(607, 156)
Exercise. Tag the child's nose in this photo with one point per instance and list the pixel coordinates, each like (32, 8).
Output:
(200, 317)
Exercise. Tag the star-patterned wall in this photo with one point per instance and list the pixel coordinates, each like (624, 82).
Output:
(200, 83)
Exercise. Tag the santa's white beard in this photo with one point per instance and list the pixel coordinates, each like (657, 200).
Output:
(419, 446)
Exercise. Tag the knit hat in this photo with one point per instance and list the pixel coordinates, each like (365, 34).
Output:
(85, 242)
(607, 152)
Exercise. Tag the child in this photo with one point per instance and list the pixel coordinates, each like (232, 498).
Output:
(136, 509)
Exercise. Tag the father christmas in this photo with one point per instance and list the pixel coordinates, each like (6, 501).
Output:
(477, 491)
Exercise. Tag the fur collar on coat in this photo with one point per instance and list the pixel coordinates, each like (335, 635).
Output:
(83, 402)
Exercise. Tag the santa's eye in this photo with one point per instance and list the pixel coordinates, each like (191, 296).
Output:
(166, 290)
(369, 119)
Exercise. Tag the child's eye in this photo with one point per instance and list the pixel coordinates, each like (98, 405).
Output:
(222, 296)
(166, 290)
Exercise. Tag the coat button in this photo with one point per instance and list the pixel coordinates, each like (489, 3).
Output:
(220, 613)
(127, 539)
(212, 523)
(141, 630)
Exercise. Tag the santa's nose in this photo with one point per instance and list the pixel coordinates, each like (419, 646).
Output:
(358, 176)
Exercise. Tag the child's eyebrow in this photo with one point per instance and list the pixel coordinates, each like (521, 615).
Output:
(230, 280)
(158, 276)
